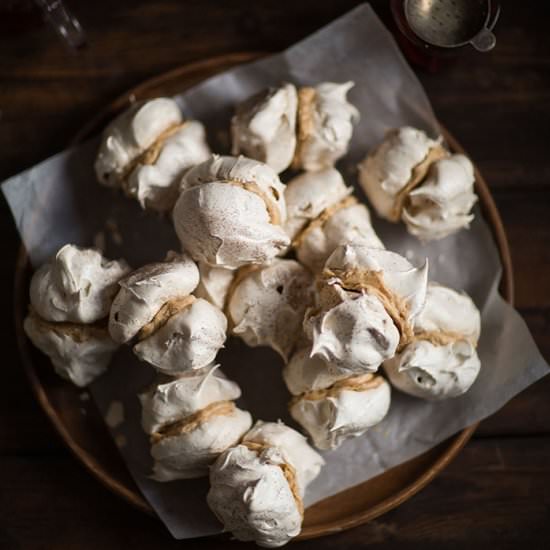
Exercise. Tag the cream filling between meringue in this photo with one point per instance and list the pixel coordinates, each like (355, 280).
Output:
(163, 315)
(193, 421)
(151, 154)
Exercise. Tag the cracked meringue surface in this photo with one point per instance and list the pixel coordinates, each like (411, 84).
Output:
(251, 496)
(442, 204)
(442, 360)
(190, 339)
(343, 411)
(146, 290)
(230, 212)
(156, 185)
(267, 305)
(325, 125)
(79, 353)
(174, 399)
(214, 284)
(183, 453)
(264, 127)
(401, 160)
(293, 446)
(77, 285)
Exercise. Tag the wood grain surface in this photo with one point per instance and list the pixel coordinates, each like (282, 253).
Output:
(496, 494)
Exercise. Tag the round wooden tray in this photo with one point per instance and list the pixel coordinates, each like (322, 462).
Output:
(80, 426)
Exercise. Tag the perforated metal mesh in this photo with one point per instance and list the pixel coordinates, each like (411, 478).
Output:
(446, 22)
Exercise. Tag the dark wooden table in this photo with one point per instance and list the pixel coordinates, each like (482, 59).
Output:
(496, 494)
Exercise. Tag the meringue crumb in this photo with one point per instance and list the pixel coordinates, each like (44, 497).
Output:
(121, 441)
(84, 396)
(132, 98)
(83, 411)
(409, 254)
(99, 241)
(112, 227)
(115, 414)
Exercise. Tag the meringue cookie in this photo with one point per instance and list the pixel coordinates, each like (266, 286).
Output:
(349, 224)
(146, 290)
(354, 336)
(292, 445)
(77, 286)
(131, 133)
(167, 402)
(156, 185)
(441, 205)
(267, 305)
(309, 194)
(442, 361)
(79, 353)
(367, 301)
(229, 213)
(396, 166)
(304, 373)
(325, 125)
(398, 275)
(187, 448)
(251, 495)
(343, 411)
(322, 215)
(190, 339)
(214, 284)
(264, 127)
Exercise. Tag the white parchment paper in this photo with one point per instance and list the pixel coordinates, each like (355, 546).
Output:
(59, 201)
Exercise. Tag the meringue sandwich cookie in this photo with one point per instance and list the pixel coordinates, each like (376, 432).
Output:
(348, 222)
(325, 125)
(350, 330)
(173, 399)
(155, 181)
(230, 213)
(396, 167)
(214, 284)
(264, 127)
(77, 285)
(144, 292)
(146, 149)
(388, 276)
(188, 336)
(442, 204)
(79, 353)
(342, 411)
(266, 306)
(187, 447)
(322, 215)
(305, 461)
(256, 488)
(441, 361)
(311, 193)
